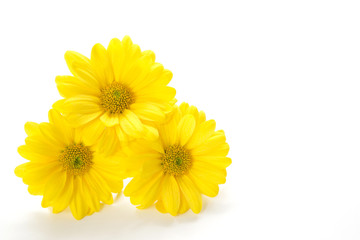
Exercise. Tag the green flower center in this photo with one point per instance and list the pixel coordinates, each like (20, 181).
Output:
(176, 160)
(115, 98)
(76, 159)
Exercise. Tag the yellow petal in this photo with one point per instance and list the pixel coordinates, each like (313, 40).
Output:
(170, 195)
(78, 207)
(133, 155)
(92, 132)
(79, 119)
(80, 110)
(100, 186)
(202, 117)
(147, 111)
(80, 67)
(131, 53)
(151, 194)
(164, 78)
(78, 136)
(212, 173)
(184, 206)
(151, 169)
(130, 123)
(151, 73)
(35, 156)
(156, 93)
(123, 137)
(62, 128)
(49, 131)
(150, 133)
(186, 128)
(108, 142)
(38, 174)
(85, 73)
(110, 120)
(53, 187)
(36, 189)
(90, 197)
(168, 130)
(201, 134)
(82, 104)
(38, 150)
(186, 109)
(204, 184)
(101, 64)
(127, 42)
(65, 196)
(157, 146)
(212, 143)
(71, 56)
(20, 170)
(137, 74)
(42, 144)
(31, 128)
(191, 193)
(142, 146)
(160, 206)
(117, 56)
(110, 173)
(58, 105)
(219, 161)
(149, 53)
(143, 189)
(70, 86)
(222, 149)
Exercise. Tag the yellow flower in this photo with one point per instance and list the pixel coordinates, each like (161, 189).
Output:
(187, 160)
(117, 94)
(66, 169)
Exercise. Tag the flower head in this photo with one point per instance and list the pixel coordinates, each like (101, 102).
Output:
(188, 159)
(66, 168)
(117, 94)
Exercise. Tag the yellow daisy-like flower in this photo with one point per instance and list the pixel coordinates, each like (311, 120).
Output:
(188, 159)
(117, 94)
(66, 169)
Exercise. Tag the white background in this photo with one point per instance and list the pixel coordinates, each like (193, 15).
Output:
(282, 78)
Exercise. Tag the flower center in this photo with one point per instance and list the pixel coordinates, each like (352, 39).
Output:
(176, 160)
(115, 98)
(76, 159)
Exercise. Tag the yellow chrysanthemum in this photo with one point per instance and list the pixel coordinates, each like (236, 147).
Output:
(189, 159)
(117, 94)
(66, 169)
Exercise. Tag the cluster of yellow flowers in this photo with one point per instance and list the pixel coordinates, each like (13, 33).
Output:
(118, 119)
